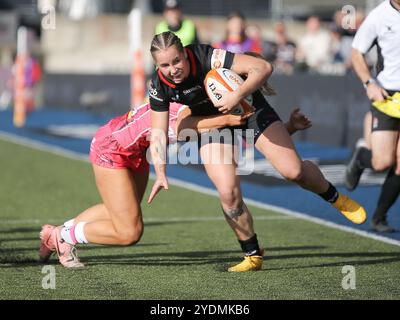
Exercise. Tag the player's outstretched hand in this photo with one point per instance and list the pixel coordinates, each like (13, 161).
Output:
(158, 185)
(299, 121)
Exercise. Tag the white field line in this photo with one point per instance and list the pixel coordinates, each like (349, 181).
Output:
(30, 143)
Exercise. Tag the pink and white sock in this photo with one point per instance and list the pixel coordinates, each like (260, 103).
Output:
(69, 223)
(74, 234)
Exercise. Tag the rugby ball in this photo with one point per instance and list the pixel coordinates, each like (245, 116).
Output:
(218, 81)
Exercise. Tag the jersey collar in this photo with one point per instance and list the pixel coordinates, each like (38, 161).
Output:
(193, 69)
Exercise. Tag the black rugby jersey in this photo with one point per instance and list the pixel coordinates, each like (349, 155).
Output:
(202, 58)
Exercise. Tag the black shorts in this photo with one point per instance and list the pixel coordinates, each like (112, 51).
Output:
(261, 119)
(383, 122)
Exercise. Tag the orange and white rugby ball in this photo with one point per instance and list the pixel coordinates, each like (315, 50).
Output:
(222, 80)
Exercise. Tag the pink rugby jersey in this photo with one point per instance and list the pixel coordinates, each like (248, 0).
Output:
(135, 125)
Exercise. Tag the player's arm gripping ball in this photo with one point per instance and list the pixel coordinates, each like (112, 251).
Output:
(206, 123)
(222, 87)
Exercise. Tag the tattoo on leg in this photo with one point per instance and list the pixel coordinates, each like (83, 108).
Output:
(234, 212)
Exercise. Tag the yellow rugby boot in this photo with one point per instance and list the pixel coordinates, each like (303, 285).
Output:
(249, 263)
(351, 209)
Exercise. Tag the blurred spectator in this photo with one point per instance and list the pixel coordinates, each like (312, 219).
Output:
(314, 46)
(185, 29)
(80, 9)
(285, 50)
(337, 24)
(236, 40)
(6, 88)
(262, 46)
(32, 76)
(336, 64)
(341, 40)
(336, 49)
(6, 78)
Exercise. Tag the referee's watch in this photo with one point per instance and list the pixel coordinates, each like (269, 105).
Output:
(366, 83)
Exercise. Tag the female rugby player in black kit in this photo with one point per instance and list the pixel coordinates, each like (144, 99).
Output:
(179, 78)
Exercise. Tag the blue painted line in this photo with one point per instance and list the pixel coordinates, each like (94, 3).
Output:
(309, 150)
(290, 197)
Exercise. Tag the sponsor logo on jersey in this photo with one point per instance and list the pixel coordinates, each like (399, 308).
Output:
(218, 58)
(175, 98)
(153, 92)
(198, 87)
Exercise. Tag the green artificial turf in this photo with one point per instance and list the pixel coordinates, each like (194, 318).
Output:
(185, 250)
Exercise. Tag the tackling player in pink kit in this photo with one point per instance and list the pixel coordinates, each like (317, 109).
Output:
(128, 134)
(122, 144)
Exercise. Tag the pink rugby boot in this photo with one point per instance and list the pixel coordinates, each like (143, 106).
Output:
(66, 252)
(51, 241)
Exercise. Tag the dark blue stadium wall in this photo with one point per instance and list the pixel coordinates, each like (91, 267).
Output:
(336, 105)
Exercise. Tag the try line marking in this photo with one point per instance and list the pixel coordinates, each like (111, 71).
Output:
(33, 144)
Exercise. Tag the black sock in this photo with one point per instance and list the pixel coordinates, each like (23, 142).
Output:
(250, 246)
(364, 158)
(389, 192)
(331, 195)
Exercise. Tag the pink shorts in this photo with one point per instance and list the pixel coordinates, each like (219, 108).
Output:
(106, 152)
